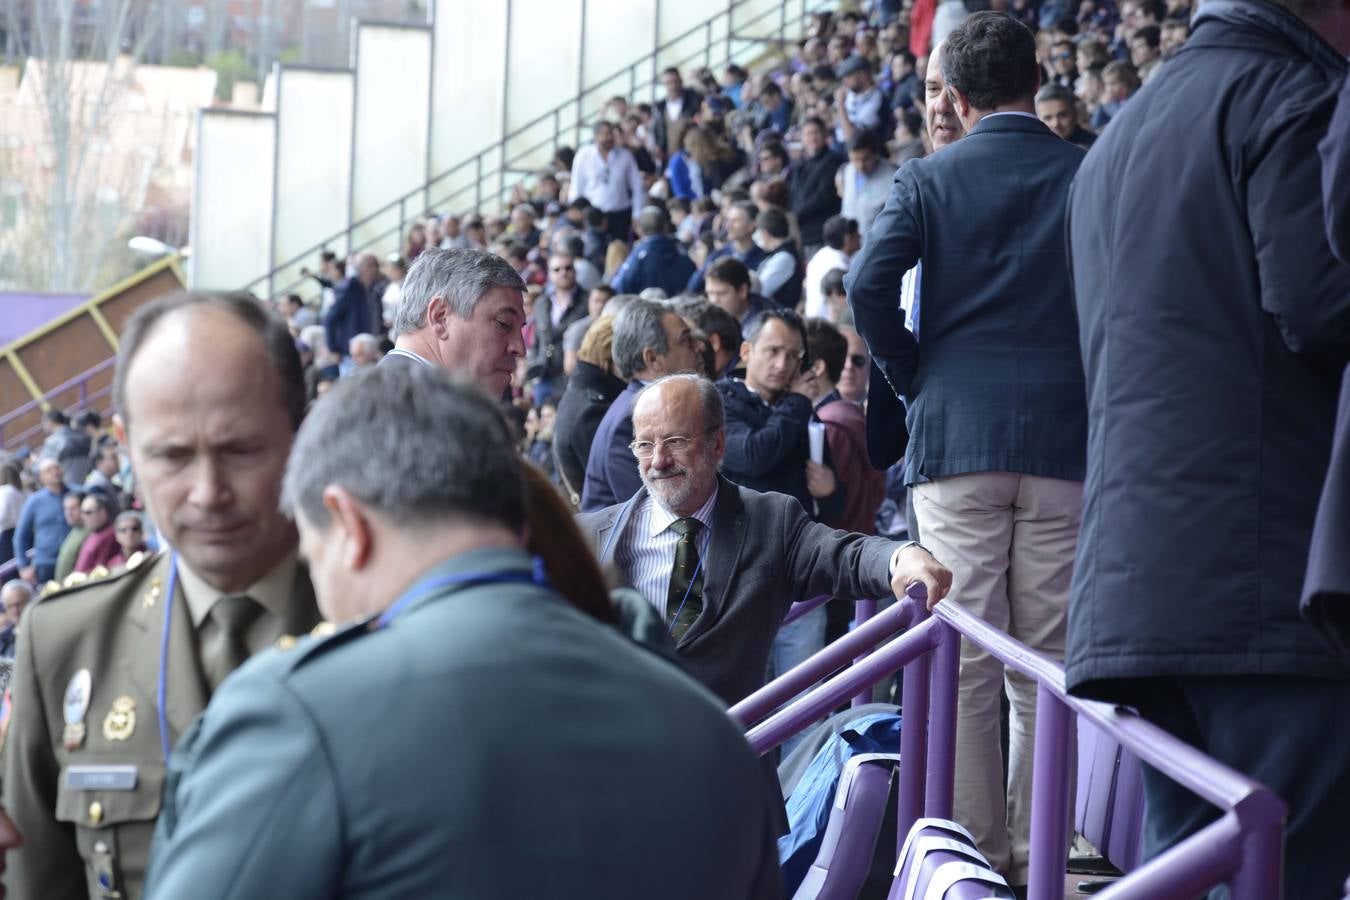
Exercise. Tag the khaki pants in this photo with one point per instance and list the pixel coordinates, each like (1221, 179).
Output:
(1009, 540)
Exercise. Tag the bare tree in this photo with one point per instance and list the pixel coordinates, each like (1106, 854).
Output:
(83, 59)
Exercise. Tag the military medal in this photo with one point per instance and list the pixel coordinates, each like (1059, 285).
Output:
(74, 708)
(120, 722)
(152, 595)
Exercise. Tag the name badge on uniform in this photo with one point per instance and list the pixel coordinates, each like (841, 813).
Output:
(74, 709)
(101, 778)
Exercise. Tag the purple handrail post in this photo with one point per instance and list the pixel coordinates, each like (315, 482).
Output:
(1262, 855)
(1050, 796)
(941, 778)
(913, 738)
(863, 610)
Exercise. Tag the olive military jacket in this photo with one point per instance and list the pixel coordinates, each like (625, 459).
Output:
(84, 759)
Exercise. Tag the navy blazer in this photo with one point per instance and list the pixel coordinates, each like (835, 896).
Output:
(997, 382)
(611, 469)
(765, 554)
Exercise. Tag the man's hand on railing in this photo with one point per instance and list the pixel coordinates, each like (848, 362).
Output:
(912, 565)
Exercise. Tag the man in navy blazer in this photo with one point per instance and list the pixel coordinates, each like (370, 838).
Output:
(994, 384)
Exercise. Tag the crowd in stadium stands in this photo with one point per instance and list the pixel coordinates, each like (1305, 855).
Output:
(667, 315)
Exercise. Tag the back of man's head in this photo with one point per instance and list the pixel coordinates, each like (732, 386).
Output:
(390, 435)
(460, 276)
(836, 231)
(711, 319)
(652, 221)
(827, 344)
(991, 59)
(639, 326)
(774, 223)
(730, 271)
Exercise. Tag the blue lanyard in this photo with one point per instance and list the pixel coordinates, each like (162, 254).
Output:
(539, 576)
(161, 689)
(463, 579)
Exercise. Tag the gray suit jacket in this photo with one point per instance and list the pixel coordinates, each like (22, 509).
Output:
(765, 554)
(491, 742)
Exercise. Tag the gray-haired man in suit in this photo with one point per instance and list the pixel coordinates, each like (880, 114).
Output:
(461, 311)
(471, 733)
(722, 563)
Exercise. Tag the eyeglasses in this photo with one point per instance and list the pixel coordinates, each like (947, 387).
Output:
(1064, 54)
(857, 359)
(90, 512)
(674, 445)
(563, 269)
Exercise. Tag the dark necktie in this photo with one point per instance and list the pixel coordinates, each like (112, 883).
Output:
(685, 600)
(227, 648)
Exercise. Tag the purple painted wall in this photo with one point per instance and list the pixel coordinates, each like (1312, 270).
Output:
(21, 313)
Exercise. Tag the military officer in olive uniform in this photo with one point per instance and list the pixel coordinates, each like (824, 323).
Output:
(471, 734)
(111, 671)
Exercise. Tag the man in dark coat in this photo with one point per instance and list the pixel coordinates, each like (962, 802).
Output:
(814, 196)
(1326, 592)
(350, 313)
(1215, 324)
(591, 390)
(994, 385)
(657, 260)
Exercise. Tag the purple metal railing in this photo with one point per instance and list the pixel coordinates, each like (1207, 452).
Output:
(87, 399)
(1243, 847)
(864, 610)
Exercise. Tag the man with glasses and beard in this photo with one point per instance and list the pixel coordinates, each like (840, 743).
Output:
(722, 563)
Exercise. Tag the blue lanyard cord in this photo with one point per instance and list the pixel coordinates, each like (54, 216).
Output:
(707, 538)
(424, 588)
(161, 689)
(539, 576)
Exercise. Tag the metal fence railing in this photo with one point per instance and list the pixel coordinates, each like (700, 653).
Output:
(1242, 848)
(98, 399)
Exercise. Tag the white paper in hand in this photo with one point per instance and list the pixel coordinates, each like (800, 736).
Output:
(815, 432)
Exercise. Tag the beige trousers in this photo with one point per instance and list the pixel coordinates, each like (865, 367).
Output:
(1009, 540)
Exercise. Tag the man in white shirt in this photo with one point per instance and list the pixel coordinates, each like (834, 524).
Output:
(608, 177)
(842, 240)
(866, 183)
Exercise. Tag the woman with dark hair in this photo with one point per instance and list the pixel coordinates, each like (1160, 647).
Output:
(11, 502)
(553, 536)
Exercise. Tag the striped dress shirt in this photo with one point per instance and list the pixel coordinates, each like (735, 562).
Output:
(646, 550)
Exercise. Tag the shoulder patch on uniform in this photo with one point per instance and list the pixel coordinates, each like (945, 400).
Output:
(77, 582)
(324, 637)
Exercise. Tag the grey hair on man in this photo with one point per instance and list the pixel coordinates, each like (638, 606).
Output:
(637, 328)
(445, 424)
(460, 276)
(15, 586)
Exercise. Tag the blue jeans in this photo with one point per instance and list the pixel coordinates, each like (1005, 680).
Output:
(796, 643)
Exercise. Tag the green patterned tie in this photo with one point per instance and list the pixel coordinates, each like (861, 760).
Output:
(685, 600)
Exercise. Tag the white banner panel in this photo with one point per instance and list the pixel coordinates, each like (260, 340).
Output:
(391, 133)
(617, 33)
(314, 168)
(469, 80)
(231, 223)
(545, 57)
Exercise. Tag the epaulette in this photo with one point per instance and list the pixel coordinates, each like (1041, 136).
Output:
(100, 575)
(323, 637)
